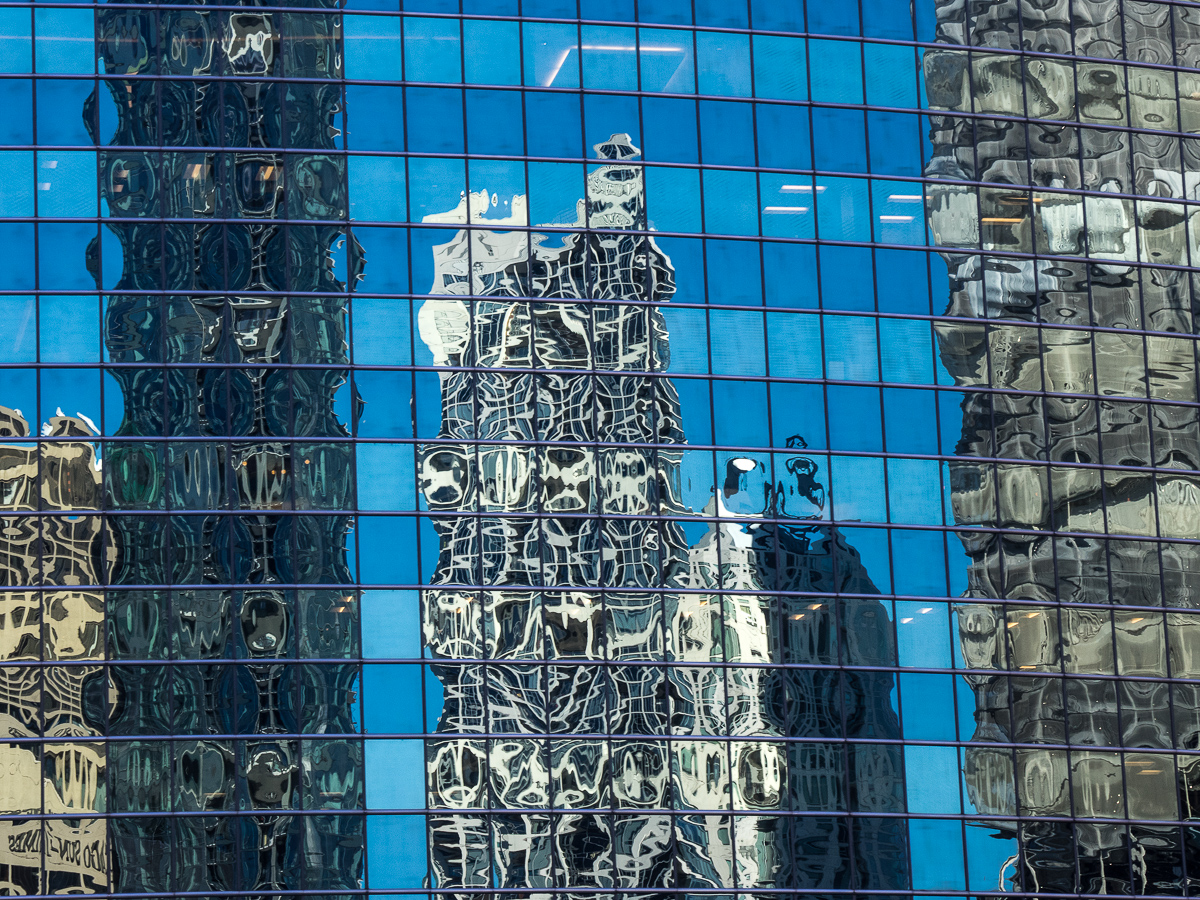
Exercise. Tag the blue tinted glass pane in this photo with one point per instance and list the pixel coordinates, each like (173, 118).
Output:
(721, 13)
(552, 9)
(59, 106)
(895, 143)
(62, 256)
(779, 68)
(908, 415)
(907, 351)
(376, 115)
(670, 130)
(740, 413)
(846, 278)
(432, 50)
(841, 17)
(551, 55)
(16, 50)
(373, 48)
(787, 206)
(891, 75)
(554, 192)
(795, 344)
(73, 329)
(888, 19)
(730, 202)
(665, 12)
(20, 330)
(377, 188)
(790, 272)
(898, 215)
(843, 209)
(386, 760)
(851, 352)
(430, 6)
(614, 10)
(398, 855)
(667, 61)
(783, 136)
(392, 705)
(723, 64)
(16, 191)
(903, 281)
(17, 96)
(734, 273)
(64, 40)
(391, 624)
(553, 124)
(435, 120)
(434, 186)
(772, 15)
(840, 139)
(494, 123)
(387, 267)
(492, 52)
(610, 58)
(836, 71)
(727, 131)
(673, 199)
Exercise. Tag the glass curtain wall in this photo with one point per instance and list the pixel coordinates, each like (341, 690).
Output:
(643, 448)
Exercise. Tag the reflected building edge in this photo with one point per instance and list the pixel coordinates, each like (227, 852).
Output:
(228, 468)
(1061, 509)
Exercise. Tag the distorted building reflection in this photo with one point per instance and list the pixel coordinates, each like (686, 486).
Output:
(807, 611)
(230, 479)
(555, 567)
(1092, 553)
(53, 761)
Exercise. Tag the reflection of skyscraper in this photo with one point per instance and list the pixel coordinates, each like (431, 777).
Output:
(817, 631)
(553, 560)
(50, 560)
(229, 480)
(1086, 303)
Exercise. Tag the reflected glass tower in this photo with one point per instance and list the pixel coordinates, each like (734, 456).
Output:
(229, 481)
(1083, 363)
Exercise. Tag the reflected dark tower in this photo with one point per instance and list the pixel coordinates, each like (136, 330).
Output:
(229, 486)
(563, 606)
(822, 617)
(1083, 543)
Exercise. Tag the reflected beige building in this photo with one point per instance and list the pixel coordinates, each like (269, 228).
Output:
(1096, 479)
(55, 764)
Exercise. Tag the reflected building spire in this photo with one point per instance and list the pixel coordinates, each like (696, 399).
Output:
(550, 608)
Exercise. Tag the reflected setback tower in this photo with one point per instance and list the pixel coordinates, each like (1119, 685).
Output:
(229, 482)
(1083, 543)
(550, 607)
(821, 709)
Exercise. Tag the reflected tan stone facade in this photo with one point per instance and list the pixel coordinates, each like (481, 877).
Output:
(53, 540)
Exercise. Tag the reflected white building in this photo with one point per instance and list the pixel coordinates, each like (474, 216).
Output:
(547, 613)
